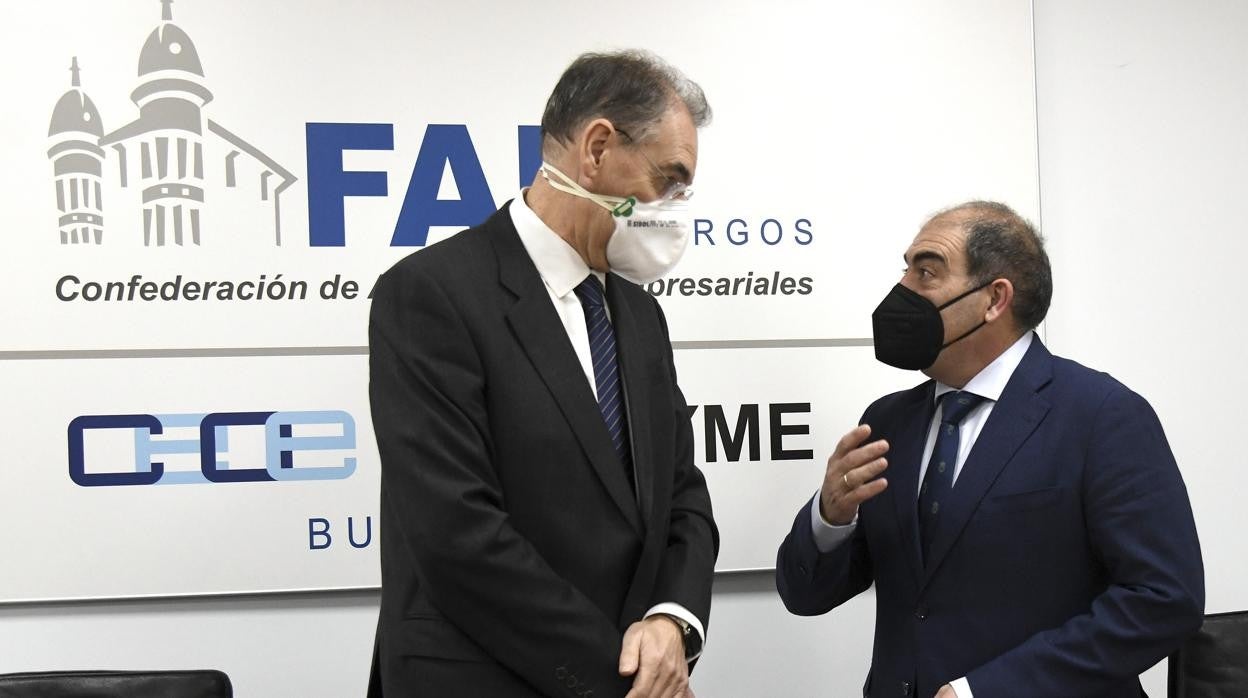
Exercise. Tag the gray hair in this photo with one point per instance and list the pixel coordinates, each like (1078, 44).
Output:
(1000, 244)
(631, 89)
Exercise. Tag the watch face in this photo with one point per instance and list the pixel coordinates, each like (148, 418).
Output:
(689, 636)
(693, 641)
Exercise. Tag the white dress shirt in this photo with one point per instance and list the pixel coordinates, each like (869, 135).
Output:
(562, 269)
(988, 384)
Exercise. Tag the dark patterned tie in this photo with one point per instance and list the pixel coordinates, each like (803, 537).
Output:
(938, 481)
(606, 370)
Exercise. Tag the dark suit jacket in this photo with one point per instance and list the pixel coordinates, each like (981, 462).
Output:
(1067, 563)
(514, 551)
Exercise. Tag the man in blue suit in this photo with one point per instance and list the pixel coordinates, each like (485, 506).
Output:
(1021, 516)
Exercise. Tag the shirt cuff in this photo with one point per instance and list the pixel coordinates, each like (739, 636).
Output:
(675, 609)
(961, 687)
(829, 536)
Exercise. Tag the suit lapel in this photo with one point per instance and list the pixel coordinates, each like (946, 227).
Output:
(1014, 418)
(545, 341)
(633, 375)
(905, 453)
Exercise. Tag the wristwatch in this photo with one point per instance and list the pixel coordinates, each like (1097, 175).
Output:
(690, 636)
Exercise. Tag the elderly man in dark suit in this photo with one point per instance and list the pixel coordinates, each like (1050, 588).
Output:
(1021, 516)
(545, 531)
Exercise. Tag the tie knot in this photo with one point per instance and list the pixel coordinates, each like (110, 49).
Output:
(955, 405)
(590, 291)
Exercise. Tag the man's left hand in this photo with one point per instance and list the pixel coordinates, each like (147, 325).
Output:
(946, 691)
(654, 655)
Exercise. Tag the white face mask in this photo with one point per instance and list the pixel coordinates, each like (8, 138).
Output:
(649, 238)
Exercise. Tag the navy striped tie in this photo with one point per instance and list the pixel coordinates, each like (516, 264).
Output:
(606, 369)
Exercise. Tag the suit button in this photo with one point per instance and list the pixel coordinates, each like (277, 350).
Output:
(561, 673)
(572, 681)
(905, 688)
(921, 613)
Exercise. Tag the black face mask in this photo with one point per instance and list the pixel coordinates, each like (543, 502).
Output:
(909, 332)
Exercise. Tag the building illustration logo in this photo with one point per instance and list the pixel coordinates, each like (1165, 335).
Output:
(175, 160)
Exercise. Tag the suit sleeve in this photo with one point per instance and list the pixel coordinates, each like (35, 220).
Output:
(427, 391)
(1140, 526)
(688, 566)
(811, 582)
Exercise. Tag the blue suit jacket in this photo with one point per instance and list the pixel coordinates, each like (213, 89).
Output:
(1068, 561)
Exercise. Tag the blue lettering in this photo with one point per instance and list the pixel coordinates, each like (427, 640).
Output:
(322, 531)
(211, 440)
(145, 447)
(422, 209)
(219, 470)
(762, 231)
(329, 184)
(368, 535)
(702, 229)
(804, 235)
(145, 472)
(529, 145)
(282, 444)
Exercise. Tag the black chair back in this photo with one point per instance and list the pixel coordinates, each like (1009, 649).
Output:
(205, 683)
(1213, 663)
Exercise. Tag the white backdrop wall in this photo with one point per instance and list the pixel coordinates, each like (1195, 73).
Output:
(219, 198)
(1144, 165)
(1142, 158)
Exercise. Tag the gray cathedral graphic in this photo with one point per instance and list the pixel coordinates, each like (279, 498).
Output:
(166, 147)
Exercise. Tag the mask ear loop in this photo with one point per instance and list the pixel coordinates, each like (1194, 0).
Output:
(974, 329)
(964, 295)
(568, 186)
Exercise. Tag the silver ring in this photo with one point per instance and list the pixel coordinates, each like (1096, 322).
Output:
(845, 478)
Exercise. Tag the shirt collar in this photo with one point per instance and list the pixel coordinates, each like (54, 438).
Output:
(560, 266)
(990, 382)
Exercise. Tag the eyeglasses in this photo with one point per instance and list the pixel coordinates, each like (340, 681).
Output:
(673, 189)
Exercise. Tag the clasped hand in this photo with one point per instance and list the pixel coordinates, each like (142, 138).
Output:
(654, 655)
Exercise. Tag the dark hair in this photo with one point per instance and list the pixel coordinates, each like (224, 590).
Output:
(632, 89)
(1000, 244)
